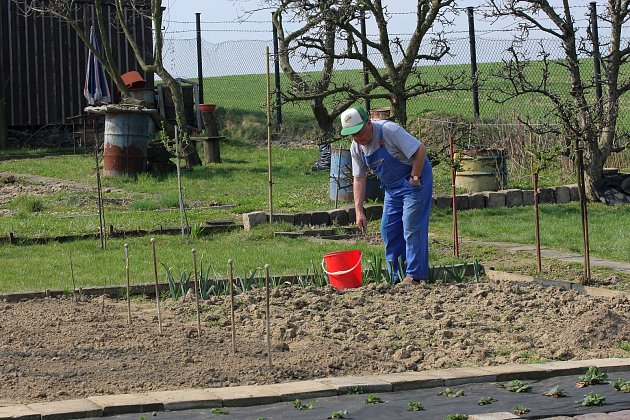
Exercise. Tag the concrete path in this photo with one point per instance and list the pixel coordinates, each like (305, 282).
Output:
(332, 394)
(565, 256)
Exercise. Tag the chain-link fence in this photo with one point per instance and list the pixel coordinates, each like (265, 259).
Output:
(234, 76)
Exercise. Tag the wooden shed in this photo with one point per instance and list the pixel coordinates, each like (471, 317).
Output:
(42, 61)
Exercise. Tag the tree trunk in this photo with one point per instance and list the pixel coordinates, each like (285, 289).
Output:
(399, 109)
(324, 121)
(189, 151)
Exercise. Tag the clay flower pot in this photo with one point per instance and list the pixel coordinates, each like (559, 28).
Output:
(207, 107)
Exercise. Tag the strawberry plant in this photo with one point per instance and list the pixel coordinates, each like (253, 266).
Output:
(448, 392)
(520, 409)
(415, 406)
(518, 386)
(592, 377)
(456, 417)
(373, 399)
(591, 399)
(219, 410)
(339, 415)
(354, 390)
(486, 400)
(299, 405)
(555, 392)
(621, 385)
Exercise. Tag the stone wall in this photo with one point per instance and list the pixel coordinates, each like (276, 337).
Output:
(488, 199)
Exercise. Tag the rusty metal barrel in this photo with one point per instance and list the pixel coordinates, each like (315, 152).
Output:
(125, 144)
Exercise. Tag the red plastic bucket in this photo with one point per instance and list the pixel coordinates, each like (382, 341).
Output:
(343, 269)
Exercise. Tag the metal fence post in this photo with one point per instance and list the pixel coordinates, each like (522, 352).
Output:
(366, 75)
(473, 60)
(596, 55)
(199, 69)
(276, 69)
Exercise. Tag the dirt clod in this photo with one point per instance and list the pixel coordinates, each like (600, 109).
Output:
(53, 349)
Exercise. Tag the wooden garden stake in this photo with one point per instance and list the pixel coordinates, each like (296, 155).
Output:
(128, 284)
(194, 257)
(231, 270)
(74, 286)
(454, 197)
(157, 289)
(537, 218)
(268, 315)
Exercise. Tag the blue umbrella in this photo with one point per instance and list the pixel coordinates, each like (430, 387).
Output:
(96, 89)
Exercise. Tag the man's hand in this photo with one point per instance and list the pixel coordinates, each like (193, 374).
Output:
(361, 221)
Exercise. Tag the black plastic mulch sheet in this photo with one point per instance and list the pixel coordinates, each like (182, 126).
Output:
(435, 407)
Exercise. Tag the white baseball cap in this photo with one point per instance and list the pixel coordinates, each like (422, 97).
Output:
(352, 120)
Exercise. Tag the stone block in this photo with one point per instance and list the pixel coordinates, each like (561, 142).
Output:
(563, 194)
(547, 195)
(367, 383)
(516, 371)
(494, 199)
(18, 411)
(513, 197)
(254, 218)
(528, 197)
(443, 202)
(411, 380)
(338, 217)
(187, 399)
(302, 219)
(352, 215)
(302, 390)
(500, 415)
(126, 403)
(465, 375)
(476, 201)
(461, 201)
(373, 211)
(283, 217)
(320, 218)
(246, 396)
(67, 409)
(575, 192)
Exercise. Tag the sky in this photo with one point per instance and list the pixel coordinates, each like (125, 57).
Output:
(219, 18)
(226, 52)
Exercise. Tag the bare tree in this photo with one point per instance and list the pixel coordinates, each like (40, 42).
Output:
(313, 43)
(585, 119)
(152, 9)
(401, 78)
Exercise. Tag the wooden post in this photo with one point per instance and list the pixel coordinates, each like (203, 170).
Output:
(268, 315)
(194, 256)
(128, 284)
(231, 277)
(157, 289)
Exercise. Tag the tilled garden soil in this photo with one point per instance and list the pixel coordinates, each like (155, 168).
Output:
(54, 349)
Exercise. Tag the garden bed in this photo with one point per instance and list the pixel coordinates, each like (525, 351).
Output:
(56, 348)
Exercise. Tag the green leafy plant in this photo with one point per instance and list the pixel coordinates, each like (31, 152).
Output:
(520, 409)
(622, 385)
(456, 417)
(592, 377)
(177, 287)
(354, 390)
(219, 410)
(374, 399)
(591, 399)
(415, 406)
(555, 392)
(299, 405)
(452, 393)
(625, 345)
(339, 415)
(486, 400)
(518, 386)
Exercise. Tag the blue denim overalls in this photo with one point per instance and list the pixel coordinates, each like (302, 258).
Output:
(405, 222)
